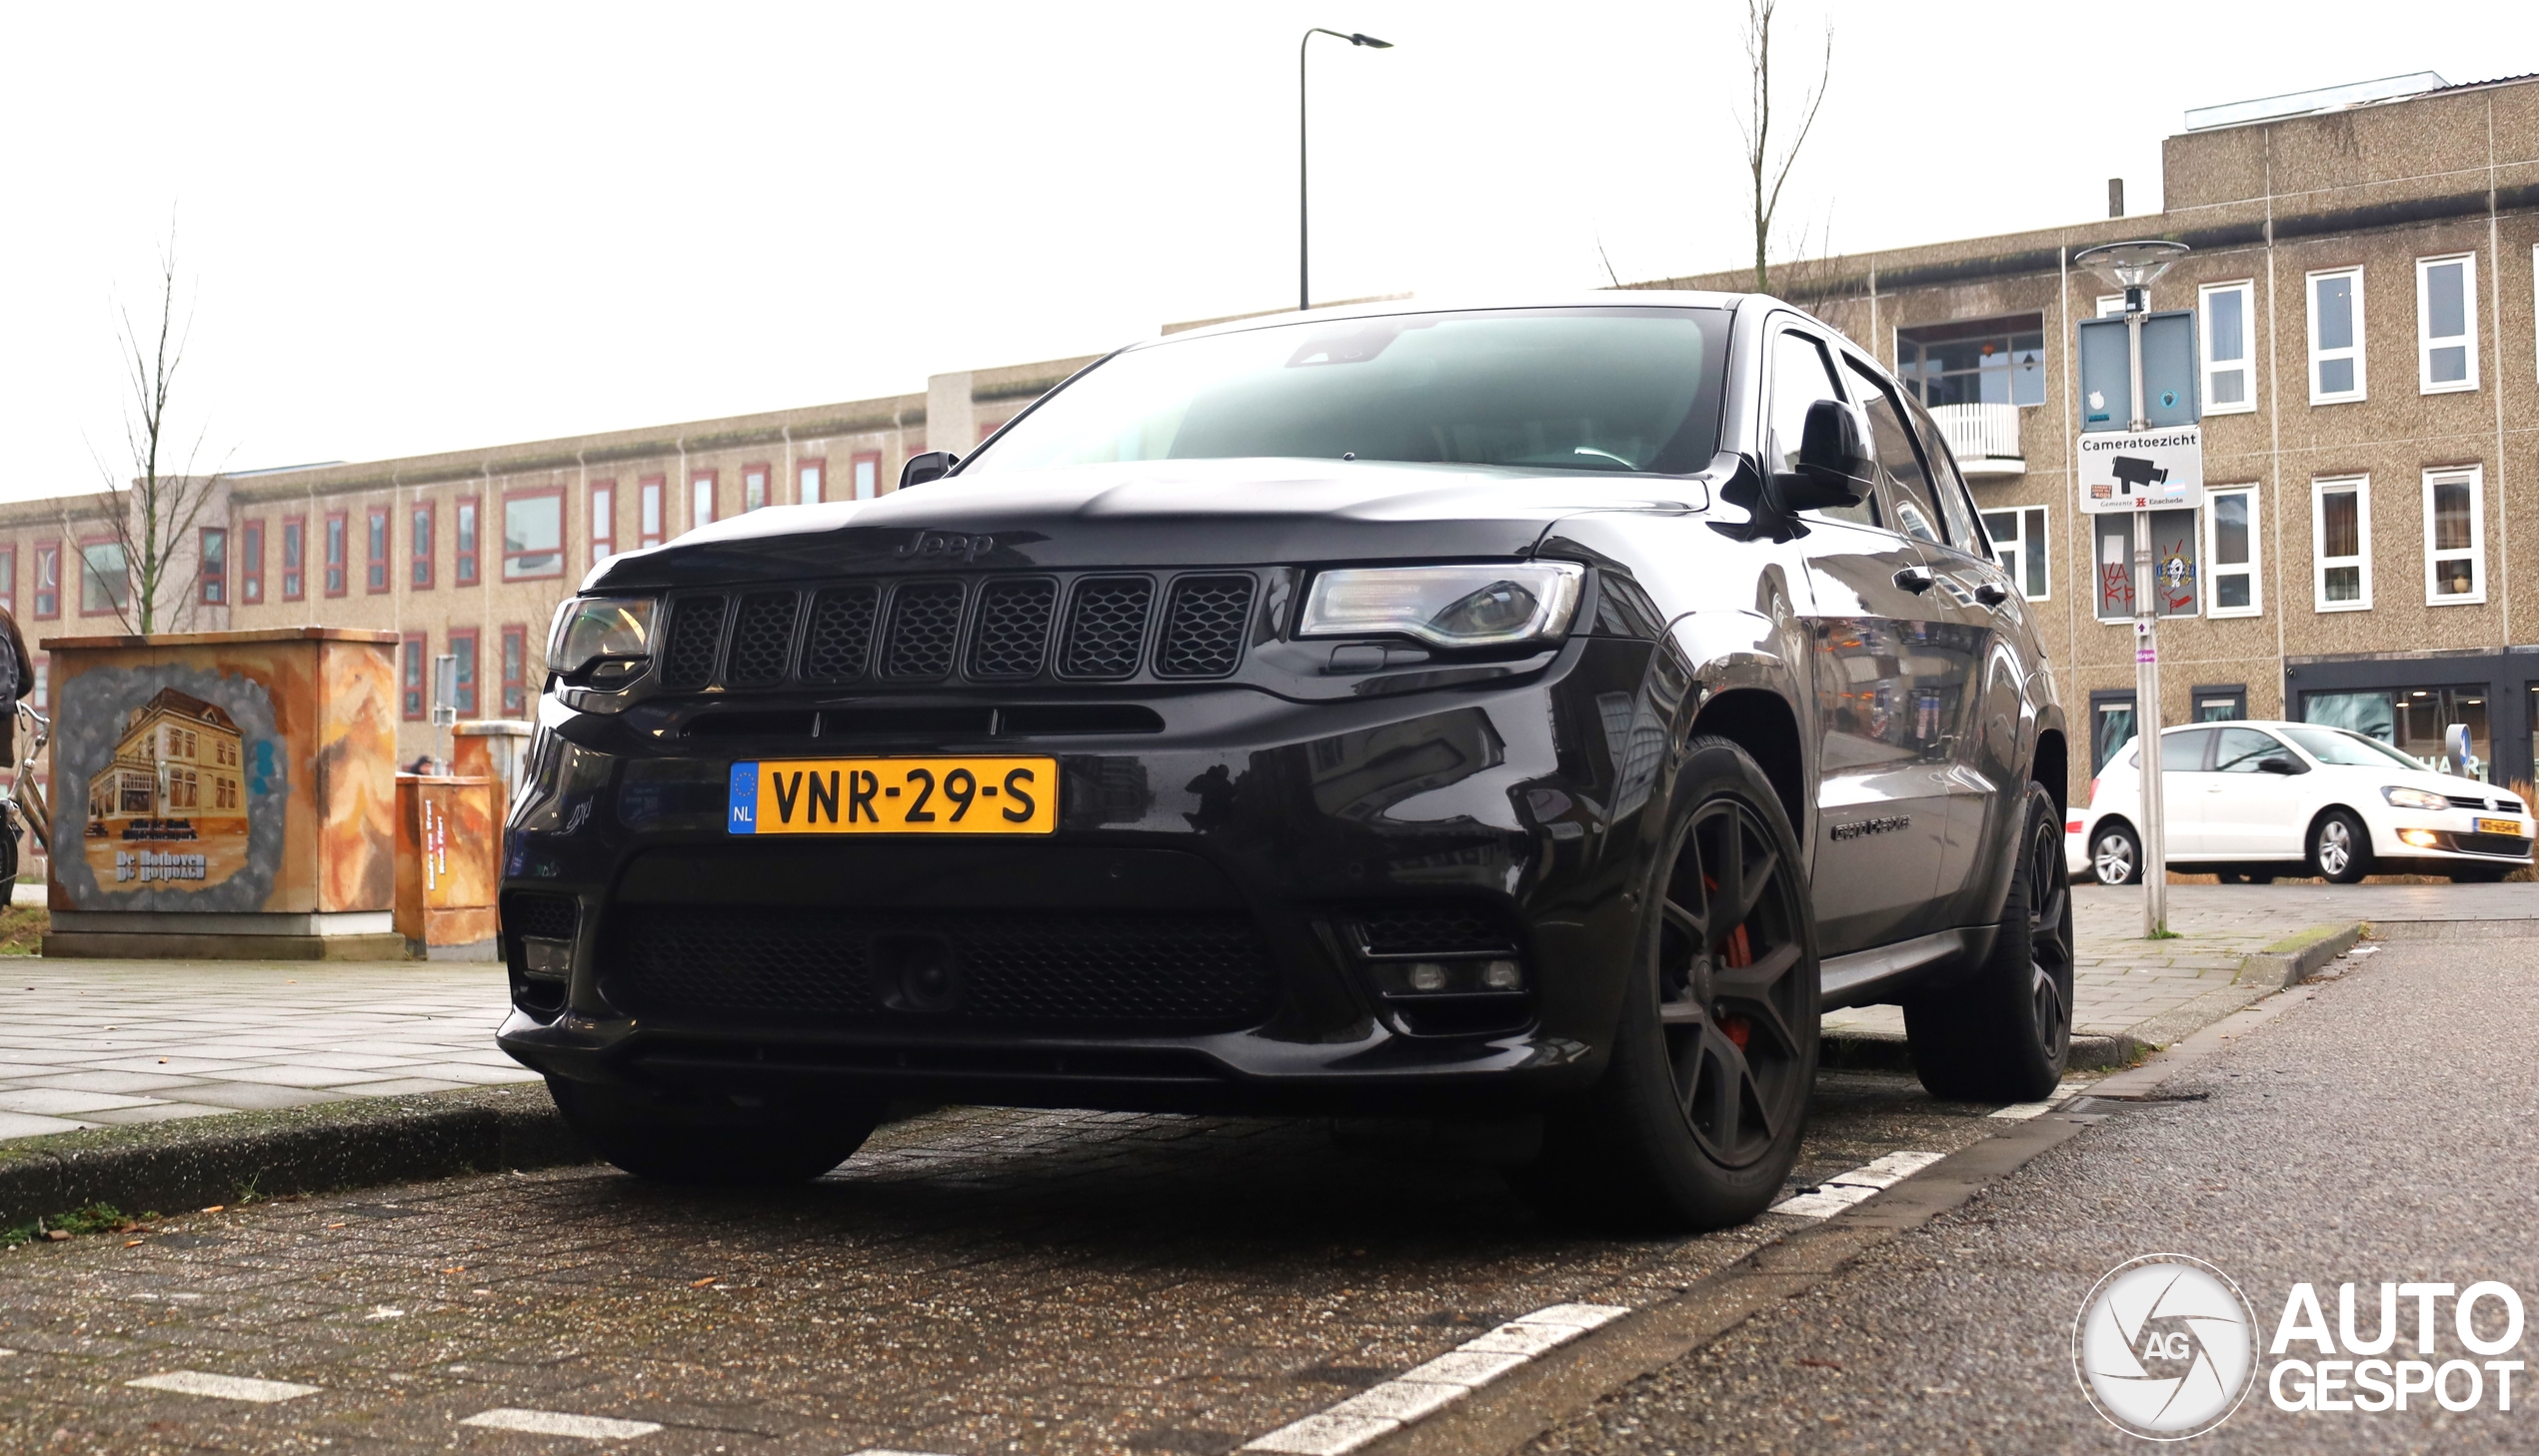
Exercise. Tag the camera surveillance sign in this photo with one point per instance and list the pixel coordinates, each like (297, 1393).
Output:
(2141, 470)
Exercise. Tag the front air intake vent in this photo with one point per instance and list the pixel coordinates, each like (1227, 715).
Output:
(925, 628)
(688, 651)
(762, 640)
(1203, 632)
(840, 645)
(1107, 630)
(1012, 634)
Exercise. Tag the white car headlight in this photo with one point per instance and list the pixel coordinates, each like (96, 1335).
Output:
(1447, 607)
(2413, 798)
(609, 639)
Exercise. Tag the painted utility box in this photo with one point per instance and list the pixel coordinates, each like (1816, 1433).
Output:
(225, 794)
(448, 865)
(490, 748)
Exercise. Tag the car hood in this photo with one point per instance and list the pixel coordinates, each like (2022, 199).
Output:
(1152, 514)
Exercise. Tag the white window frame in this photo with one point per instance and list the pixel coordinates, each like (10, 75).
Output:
(2043, 518)
(2320, 489)
(2111, 305)
(2426, 342)
(2475, 551)
(2362, 384)
(2246, 288)
(2213, 565)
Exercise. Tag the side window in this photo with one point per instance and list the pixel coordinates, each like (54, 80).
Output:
(1966, 531)
(2183, 752)
(1917, 514)
(2242, 749)
(1801, 375)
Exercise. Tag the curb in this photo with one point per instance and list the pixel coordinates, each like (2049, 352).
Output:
(1886, 1052)
(2453, 930)
(2295, 959)
(229, 1158)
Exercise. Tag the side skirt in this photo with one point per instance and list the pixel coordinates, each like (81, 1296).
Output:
(1886, 972)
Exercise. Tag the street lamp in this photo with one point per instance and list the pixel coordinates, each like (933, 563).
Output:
(2132, 267)
(1303, 290)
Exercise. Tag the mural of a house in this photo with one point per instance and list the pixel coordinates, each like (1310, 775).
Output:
(177, 763)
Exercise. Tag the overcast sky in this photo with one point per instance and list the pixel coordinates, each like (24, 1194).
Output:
(407, 229)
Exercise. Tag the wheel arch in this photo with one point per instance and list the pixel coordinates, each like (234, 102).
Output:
(1763, 722)
(2051, 766)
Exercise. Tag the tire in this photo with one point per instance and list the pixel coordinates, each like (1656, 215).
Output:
(2005, 1035)
(2340, 848)
(670, 1143)
(2115, 853)
(1697, 1117)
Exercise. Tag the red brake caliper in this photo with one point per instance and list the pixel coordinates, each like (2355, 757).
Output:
(1738, 952)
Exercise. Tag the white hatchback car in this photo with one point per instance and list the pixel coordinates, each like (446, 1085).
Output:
(2259, 800)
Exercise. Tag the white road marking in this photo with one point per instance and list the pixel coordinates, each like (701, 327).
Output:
(2022, 1111)
(1856, 1186)
(1441, 1382)
(224, 1387)
(557, 1423)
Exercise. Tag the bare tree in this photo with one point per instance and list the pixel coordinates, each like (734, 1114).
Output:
(154, 504)
(1756, 126)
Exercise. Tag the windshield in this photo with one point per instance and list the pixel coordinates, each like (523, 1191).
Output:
(2349, 750)
(1583, 389)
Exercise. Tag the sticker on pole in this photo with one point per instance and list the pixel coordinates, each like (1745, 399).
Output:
(2141, 470)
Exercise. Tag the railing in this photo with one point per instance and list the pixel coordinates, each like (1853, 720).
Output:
(1984, 438)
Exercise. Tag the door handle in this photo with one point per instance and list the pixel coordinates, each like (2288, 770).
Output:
(1914, 579)
(1992, 594)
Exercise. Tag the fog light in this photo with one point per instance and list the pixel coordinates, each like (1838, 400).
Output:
(1427, 975)
(2421, 838)
(1502, 976)
(546, 959)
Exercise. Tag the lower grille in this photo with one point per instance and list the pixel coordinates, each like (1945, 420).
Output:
(833, 969)
(540, 916)
(2513, 844)
(1413, 928)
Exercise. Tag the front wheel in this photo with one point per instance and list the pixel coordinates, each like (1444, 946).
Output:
(2340, 848)
(2006, 1035)
(672, 1142)
(1697, 1117)
(2115, 855)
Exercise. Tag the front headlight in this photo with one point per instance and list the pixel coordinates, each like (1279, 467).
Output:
(2413, 798)
(606, 640)
(1447, 607)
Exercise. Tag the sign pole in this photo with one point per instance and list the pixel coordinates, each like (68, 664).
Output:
(2146, 666)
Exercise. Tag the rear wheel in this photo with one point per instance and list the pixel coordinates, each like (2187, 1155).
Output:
(1697, 1119)
(2115, 853)
(2340, 848)
(2005, 1035)
(675, 1142)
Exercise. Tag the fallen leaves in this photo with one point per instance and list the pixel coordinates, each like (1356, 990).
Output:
(215, 1208)
(702, 1283)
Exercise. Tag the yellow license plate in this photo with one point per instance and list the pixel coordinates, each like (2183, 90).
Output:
(2499, 827)
(895, 796)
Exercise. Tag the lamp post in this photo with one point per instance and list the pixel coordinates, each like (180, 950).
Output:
(2132, 267)
(1304, 287)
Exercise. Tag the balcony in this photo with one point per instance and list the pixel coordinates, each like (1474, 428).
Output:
(1984, 438)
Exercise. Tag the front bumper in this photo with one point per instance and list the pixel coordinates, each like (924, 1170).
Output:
(1220, 921)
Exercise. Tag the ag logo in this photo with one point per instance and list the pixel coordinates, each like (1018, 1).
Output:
(2166, 1347)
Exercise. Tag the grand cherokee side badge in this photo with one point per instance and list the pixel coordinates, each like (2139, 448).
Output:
(1886, 826)
(945, 545)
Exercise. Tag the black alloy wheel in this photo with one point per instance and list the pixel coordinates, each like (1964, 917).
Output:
(1697, 1119)
(2005, 1035)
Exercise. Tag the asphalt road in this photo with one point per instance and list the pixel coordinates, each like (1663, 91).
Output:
(2379, 1132)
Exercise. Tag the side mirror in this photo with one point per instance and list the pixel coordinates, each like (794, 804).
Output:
(934, 464)
(1834, 464)
(2280, 764)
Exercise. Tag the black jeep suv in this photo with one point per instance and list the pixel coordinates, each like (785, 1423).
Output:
(1542, 709)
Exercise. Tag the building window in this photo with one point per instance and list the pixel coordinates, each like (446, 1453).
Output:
(2018, 538)
(105, 578)
(2455, 536)
(533, 536)
(375, 549)
(423, 521)
(753, 486)
(701, 499)
(2446, 323)
(2176, 564)
(867, 475)
(412, 673)
(2229, 361)
(809, 477)
(215, 566)
(2414, 721)
(48, 581)
(9, 580)
(2111, 306)
(464, 550)
(649, 495)
(463, 648)
(2228, 702)
(515, 671)
(1979, 361)
(295, 555)
(2230, 551)
(2340, 534)
(251, 563)
(2336, 337)
(603, 520)
(337, 553)
(2110, 726)
(43, 682)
